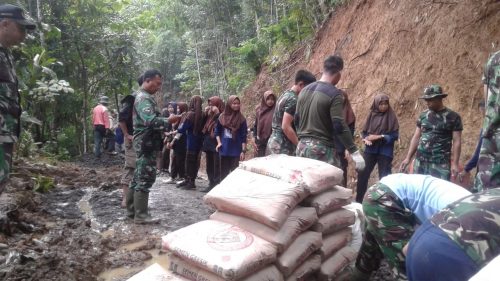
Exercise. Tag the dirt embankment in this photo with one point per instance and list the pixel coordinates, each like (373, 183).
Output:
(399, 47)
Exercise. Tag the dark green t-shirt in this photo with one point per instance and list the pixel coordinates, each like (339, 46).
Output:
(319, 115)
(437, 135)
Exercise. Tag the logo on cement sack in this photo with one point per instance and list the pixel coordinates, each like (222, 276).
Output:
(230, 239)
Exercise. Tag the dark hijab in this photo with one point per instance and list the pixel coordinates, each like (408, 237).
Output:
(231, 119)
(195, 114)
(209, 127)
(377, 122)
(264, 116)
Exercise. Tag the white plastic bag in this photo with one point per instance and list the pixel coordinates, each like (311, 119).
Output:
(315, 175)
(261, 198)
(299, 221)
(226, 250)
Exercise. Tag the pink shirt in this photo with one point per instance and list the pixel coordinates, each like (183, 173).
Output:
(100, 116)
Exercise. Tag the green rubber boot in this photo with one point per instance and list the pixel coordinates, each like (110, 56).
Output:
(130, 203)
(141, 209)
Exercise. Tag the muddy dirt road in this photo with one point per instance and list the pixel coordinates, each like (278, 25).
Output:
(77, 230)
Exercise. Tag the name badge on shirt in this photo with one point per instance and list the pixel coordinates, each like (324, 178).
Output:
(227, 133)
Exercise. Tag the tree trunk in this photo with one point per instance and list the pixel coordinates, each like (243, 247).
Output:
(198, 65)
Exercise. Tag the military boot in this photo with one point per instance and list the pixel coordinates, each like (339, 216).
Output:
(130, 203)
(141, 209)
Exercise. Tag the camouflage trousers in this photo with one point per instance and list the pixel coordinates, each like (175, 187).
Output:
(145, 169)
(315, 149)
(442, 171)
(279, 144)
(6, 150)
(488, 165)
(389, 228)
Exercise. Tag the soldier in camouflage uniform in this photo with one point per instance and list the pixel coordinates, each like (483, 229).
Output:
(13, 25)
(437, 138)
(488, 175)
(393, 207)
(319, 118)
(283, 139)
(148, 126)
(457, 241)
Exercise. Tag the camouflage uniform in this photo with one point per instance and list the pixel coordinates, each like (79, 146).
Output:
(147, 120)
(389, 227)
(488, 175)
(316, 149)
(474, 224)
(10, 112)
(278, 143)
(434, 149)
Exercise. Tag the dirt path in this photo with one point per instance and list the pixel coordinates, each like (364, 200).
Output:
(78, 231)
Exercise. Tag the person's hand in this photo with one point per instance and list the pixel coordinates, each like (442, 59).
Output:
(367, 142)
(173, 119)
(215, 109)
(404, 165)
(242, 156)
(347, 155)
(217, 148)
(454, 170)
(405, 249)
(129, 137)
(358, 160)
(170, 145)
(463, 175)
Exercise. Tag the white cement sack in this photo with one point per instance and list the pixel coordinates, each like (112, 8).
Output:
(261, 198)
(329, 200)
(334, 221)
(334, 242)
(299, 221)
(357, 227)
(156, 273)
(191, 272)
(305, 271)
(315, 175)
(299, 251)
(334, 265)
(226, 250)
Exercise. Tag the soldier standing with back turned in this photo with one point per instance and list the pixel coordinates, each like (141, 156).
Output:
(13, 25)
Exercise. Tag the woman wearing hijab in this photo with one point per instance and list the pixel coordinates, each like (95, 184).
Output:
(263, 123)
(212, 111)
(191, 125)
(178, 145)
(231, 135)
(379, 134)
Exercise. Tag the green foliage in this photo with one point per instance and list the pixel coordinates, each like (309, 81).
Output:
(43, 184)
(26, 146)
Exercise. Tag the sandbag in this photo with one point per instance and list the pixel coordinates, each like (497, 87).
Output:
(334, 242)
(299, 221)
(315, 175)
(261, 198)
(307, 243)
(224, 249)
(334, 221)
(329, 200)
(191, 272)
(334, 265)
(306, 269)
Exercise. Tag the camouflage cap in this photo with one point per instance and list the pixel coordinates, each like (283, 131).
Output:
(17, 14)
(104, 100)
(433, 91)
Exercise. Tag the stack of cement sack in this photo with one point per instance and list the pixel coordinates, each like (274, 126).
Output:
(278, 218)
